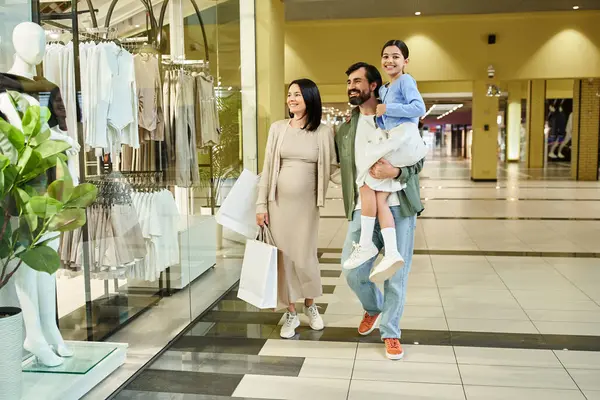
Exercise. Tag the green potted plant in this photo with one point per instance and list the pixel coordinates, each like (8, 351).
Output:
(28, 216)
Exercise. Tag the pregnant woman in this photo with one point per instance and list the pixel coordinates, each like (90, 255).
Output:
(299, 160)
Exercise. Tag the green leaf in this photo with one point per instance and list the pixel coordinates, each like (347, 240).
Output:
(24, 158)
(40, 138)
(10, 174)
(22, 197)
(35, 160)
(45, 207)
(60, 190)
(8, 134)
(52, 147)
(24, 235)
(42, 259)
(62, 172)
(30, 217)
(83, 196)
(31, 121)
(2, 183)
(67, 220)
(45, 115)
(4, 162)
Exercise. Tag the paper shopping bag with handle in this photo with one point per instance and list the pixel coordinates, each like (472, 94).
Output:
(238, 210)
(258, 283)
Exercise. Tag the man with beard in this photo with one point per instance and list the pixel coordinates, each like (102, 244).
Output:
(386, 309)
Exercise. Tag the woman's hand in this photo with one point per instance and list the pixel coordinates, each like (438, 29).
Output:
(262, 219)
(381, 109)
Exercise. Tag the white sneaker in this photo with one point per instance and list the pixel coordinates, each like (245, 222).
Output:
(316, 322)
(288, 330)
(561, 156)
(552, 155)
(387, 268)
(360, 255)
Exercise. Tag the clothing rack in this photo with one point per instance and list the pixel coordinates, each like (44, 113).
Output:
(103, 34)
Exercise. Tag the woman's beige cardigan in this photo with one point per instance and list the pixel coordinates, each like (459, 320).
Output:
(327, 168)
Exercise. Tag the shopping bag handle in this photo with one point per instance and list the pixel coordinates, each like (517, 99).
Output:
(264, 235)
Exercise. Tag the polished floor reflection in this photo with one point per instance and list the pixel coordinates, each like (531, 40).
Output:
(503, 303)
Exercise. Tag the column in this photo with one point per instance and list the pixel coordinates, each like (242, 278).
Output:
(536, 118)
(248, 80)
(513, 123)
(484, 148)
(270, 78)
(586, 129)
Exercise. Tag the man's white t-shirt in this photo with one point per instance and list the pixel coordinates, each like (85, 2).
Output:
(365, 129)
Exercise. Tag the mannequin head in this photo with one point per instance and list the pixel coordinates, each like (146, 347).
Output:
(29, 40)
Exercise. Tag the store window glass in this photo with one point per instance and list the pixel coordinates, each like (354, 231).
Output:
(159, 137)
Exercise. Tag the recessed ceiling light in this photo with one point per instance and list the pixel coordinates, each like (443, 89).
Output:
(418, 13)
(575, 7)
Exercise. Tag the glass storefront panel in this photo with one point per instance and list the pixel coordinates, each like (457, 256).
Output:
(151, 257)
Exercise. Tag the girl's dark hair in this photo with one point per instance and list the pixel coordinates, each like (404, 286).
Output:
(399, 44)
(312, 99)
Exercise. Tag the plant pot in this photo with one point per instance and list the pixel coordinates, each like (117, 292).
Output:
(11, 345)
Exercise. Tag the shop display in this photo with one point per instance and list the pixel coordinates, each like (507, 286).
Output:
(35, 280)
(559, 128)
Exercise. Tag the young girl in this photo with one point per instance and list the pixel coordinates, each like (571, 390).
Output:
(398, 140)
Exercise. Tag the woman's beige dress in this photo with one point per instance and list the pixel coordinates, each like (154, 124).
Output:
(294, 217)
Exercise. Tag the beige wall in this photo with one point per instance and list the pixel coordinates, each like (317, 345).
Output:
(454, 48)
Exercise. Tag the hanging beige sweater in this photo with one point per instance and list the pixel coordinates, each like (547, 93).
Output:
(327, 167)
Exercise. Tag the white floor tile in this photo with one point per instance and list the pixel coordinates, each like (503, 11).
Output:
(406, 372)
(505, 393)
(327, 368)
(506, 357)
(298, 348)
(571, 328)
(592, 394)
(491, 325)
(412, 353)
(549, 378)
(467, 281)
(586, 379)
(579, 359)
(485, 312)
(291, 388)
(432, 324)
(361, 390)
(564, 316)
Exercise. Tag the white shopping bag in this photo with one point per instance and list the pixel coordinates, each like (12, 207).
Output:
(238, 211)
(258, 283)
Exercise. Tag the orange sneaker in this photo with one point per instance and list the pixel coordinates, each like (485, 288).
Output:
(393, 349)
(368, 324)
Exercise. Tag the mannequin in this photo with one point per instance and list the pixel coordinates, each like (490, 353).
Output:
(567, 138)
(35, 290)
(558, 128)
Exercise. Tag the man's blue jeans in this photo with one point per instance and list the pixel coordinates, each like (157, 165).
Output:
(391, 303)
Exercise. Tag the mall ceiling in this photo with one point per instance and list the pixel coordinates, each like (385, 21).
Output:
(300, 10)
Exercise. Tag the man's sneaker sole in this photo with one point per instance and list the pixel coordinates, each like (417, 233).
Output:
(367, 333)
(394, 357)
(382, 276)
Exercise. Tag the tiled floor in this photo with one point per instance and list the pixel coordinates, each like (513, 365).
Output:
(503, 302)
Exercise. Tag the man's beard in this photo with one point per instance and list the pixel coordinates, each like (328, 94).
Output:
(362, 97)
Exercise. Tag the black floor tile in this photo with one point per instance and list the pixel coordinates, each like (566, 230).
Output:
(224, 363)
(213, 344)
(140, 395)
(328, 289)
(186, 382)
(234, 330)
(247, 317)
(329, 273)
